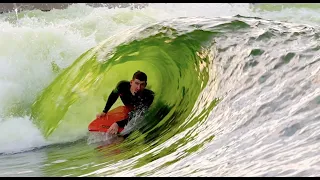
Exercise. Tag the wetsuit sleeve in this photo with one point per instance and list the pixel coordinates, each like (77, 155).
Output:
(113, 97)
(150, 99)
(111, 100)
(122, 123)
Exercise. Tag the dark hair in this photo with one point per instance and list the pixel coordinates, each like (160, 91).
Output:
(139, 75)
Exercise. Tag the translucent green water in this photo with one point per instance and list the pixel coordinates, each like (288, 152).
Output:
(235, 96)
(70, 102)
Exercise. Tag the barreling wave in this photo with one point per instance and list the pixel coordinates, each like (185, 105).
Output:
(177, 64)
(235, 96)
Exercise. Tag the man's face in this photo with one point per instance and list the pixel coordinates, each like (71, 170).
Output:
(137, 86)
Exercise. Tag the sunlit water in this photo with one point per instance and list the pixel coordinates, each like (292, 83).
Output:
(237, 90)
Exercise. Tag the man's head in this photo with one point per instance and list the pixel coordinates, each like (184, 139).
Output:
(138, 82)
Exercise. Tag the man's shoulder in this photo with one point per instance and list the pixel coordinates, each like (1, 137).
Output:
(148, 92)
(123, 83)
(122, 86)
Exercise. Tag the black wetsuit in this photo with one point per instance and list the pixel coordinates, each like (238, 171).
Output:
(140, 100)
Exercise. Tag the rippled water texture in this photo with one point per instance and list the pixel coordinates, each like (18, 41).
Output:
(237, 90)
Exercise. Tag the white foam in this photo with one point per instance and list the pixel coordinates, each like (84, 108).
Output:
(32, 43)
(19, 134)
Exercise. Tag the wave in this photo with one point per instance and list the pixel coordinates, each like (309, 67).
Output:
(177, 64)
(235, 95)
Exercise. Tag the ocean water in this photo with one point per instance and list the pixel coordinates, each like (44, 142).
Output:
(237, 90)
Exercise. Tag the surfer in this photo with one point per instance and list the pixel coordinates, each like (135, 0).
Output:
(134, 96)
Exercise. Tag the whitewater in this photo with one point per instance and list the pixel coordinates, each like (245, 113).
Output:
(237, 84)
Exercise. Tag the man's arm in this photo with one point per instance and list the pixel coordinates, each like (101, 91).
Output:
(113, 97)
(122, 123)
(111, 100)
(150, 99)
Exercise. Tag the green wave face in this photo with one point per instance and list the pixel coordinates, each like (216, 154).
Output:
(176, 73)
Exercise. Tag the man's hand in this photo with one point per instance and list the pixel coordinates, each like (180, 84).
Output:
(113, 129)
(101, 115)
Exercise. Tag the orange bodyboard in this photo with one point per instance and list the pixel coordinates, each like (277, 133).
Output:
(102, 124)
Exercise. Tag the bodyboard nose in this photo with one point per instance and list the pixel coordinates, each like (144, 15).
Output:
(102, 124)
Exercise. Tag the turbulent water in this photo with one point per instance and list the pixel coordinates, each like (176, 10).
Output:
(237, 90)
